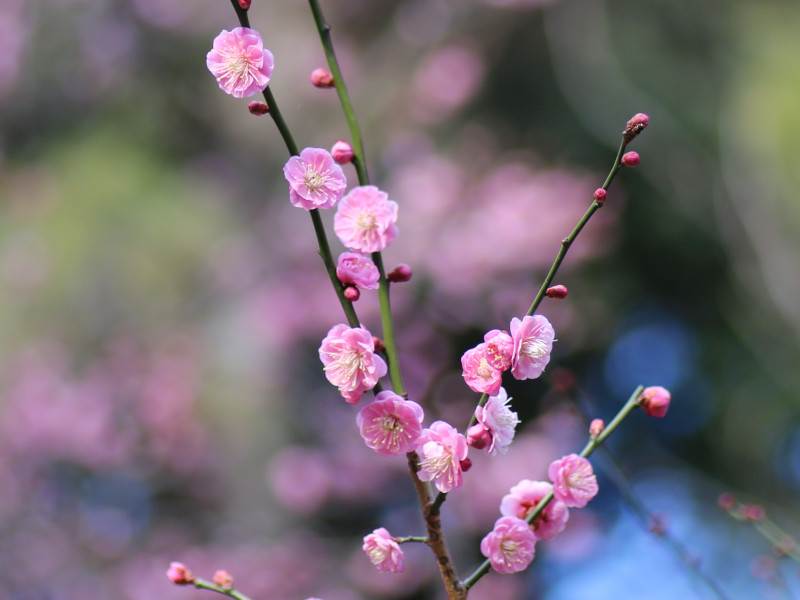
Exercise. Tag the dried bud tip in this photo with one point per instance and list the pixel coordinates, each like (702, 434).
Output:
(400, 273)
(630, 159)
(726, 501)
(600, 195)
(752, 512)
(478, 437)
(179, 574)
(351, 293)
(557, 292)
(223, 579)
(655, 401)
(245, 4)
(466, 465)
(380, 346)
(322, 78)
(342, 152)
(258, 108)
(635, 126)
(596, 427)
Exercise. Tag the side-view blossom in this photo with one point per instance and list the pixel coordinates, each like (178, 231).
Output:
(522, 500)
(442, 450)
(365, 220)
(510, 546)
(357, 269)
(655, 401)
(383, 551)
(498, 421)
(574, 482)
(533, 342)
(240, 63)
(315, 180)
(351, 364)
(391, 425)
(479, 372)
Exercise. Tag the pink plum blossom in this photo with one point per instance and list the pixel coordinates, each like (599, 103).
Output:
(499, 421)
(533, 341)
(391, 425)
(383, 551)
(524, 497)
(240, 62)
(479, 372)
(357, 269)
(179, 574)
(351, 364)
(365, 220)
(499, 348)
(315, 180)
(510, 546)
(655, 401)
(442, 450)
(574, 482)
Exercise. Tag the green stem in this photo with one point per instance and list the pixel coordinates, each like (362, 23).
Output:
(388, 328)
(591, 446)
(411, 538)
(207, 585)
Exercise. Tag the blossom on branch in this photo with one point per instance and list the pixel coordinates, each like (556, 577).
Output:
(510, 546)
(574, 482)
(391, 425)
(479, 371)
(496, 424)
(522, 500)
(533, 342)
(357, 269)
(383, 551)
(365, 219)
(351, 364)
(240, 63)
(315, 180)
(442, 450)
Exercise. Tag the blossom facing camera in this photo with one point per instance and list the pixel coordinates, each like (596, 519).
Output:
(479, 372)
(499, 422)
(365, 219)
(442, 450)
(391, 425)
(179, 574)
(655, 401)
(630, 159)
(522, 500)
(357, 269)
(383, 551)
(533, 341)
(510, 546)
(240, 63)
(315, 180)
(348, 354)
(574, 482)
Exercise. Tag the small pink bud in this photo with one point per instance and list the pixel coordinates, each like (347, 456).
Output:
(752, 512)
(478, 437)
(245, 4)
(630, 159)
(655, 401)
(322, 78)
(400, 273)
(223, 579)
(726, 501)
(465, 464)
(179, 574)
(596, 427)
(635, 126)
(600, 195)
(258, 108)
(342, 152)
(379, 344)
(557, 292)
(351, 293)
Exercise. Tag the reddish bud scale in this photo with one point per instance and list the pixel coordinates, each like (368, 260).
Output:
(630, 159)
(322, 78)
(557, 292)
(258, 108)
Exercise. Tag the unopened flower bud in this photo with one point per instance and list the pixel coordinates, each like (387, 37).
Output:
(179, 574)
(630, 159)
(400, 273)
(596, 427)
(322, 78)
(726, 501)
(635, 126)
(245, 4)
(557, 292)
(342, 152)
(478, 437)
(465, 464)
(258, 108)
(223, 579)
(752, 512)
(655, 401)
(600, 195)
(351, 293)
(379, 344)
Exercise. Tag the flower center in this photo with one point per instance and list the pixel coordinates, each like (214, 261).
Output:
(534, 348)
(314, 180)
(485, 370)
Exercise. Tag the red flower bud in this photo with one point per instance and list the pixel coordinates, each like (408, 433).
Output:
(258, 108)
(635, 126)
(351, 293)
(400, 273)
(600, 195)
(630, 159)
(557, 292)
(655, 401)
(179, 574)
(342, 152)
(322, 78)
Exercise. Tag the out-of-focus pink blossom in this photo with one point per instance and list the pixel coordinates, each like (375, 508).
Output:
(596, 427)
(655, 401)
(240, 62)
(179, 574)
(499, 421)
(441, 449)
(399, 274)
(574, 482)
(391, 425)
(524, 497)
(510, 546)
(533, 342)
(479, 372)
(499, 348)
(315, 180)
(351, 364)
(383, 551)
(342, 152)
(223, 579)
(357, 269)
(365, 220)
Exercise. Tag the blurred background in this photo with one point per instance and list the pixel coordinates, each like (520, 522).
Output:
(161, 302)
